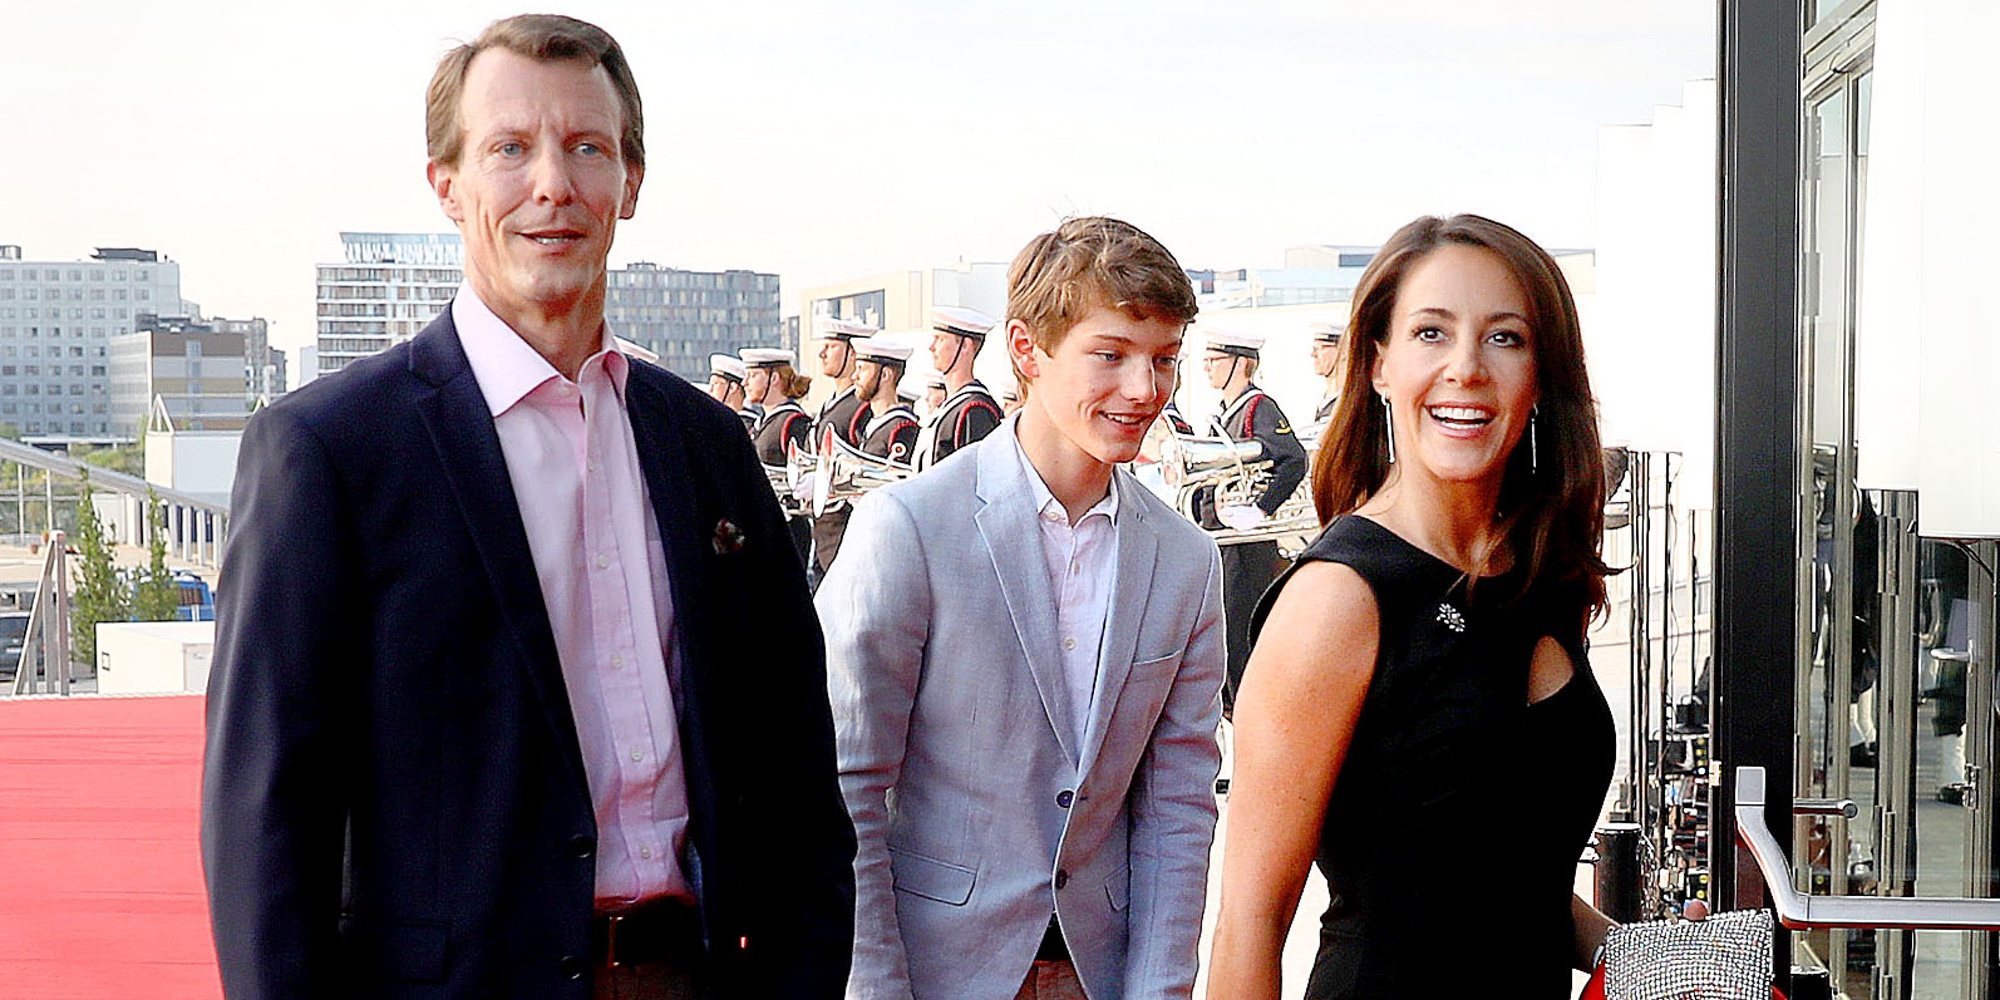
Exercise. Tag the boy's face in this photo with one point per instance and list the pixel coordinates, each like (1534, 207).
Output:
(1105, 383)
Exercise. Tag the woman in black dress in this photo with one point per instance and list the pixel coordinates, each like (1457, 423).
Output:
(1418, 714)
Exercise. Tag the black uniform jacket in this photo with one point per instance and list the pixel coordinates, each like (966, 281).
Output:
(394, 802)
(844, 414)
(785, 423)
(893, 435)
(1255, 415)
(967, 416)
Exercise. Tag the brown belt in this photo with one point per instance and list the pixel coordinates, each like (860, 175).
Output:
(665, 930)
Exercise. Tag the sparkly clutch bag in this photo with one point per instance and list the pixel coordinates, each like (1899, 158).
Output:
(1726, 957)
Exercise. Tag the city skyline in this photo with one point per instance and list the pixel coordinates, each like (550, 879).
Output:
(823, 143)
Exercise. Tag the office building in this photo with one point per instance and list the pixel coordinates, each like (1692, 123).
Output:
(57, 319)
(178, 373)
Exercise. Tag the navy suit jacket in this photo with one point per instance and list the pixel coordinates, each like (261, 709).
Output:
(393, 799)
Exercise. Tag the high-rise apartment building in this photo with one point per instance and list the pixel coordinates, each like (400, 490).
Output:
(387, 287)
(57, 319)
(392, 284)
(181, 370)
(685, 316)
(265, 364)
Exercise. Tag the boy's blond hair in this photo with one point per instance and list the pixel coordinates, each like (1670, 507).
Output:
(1092, 262)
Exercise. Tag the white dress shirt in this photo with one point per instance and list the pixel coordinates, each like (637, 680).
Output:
(1081, 560)
(603, 575)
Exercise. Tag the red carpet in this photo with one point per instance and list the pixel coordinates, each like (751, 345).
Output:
(100, 865)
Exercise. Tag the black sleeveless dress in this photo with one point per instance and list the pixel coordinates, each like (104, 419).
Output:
(1453, 833)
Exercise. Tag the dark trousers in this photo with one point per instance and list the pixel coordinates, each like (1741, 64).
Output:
(1247, 570)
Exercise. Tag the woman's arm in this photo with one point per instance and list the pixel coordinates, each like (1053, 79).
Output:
(1294, 718)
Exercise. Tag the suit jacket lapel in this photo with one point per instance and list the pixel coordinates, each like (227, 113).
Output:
(461, 430)
(1013, 540)
(663, 460)
(1138, 546)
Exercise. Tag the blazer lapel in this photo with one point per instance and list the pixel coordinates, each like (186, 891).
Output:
(670, 484)
(1138, 547)
(468, 449)
(1013, 541)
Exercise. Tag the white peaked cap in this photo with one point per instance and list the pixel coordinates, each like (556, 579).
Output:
(1235, 342)
(728, 366)
(962, 321)
(1326, 332)
(758, 357)
(882, 349)
(844, 329)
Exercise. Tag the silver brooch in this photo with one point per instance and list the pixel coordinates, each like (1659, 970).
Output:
(1451, 618)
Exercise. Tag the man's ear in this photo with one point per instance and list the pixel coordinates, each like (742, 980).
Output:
(1021, 349)
(443, 180)
(633, 175)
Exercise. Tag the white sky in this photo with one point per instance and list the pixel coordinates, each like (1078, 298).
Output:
(824, 141)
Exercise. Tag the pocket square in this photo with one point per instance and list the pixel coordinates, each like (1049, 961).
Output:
(728, 539)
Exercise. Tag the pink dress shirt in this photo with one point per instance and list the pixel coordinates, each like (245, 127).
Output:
(603, 575)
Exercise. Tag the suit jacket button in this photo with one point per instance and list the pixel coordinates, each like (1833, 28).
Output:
(1065, 797)
(1062, 878)
(571, 966)
(582, 848)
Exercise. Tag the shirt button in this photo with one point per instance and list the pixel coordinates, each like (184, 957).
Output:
(603, 560)
(646, 852)
(1065, 797)
(1069, 643)
(581, 847)
(617, 661)
(638, 755)
(1076, 565)
(571, 966)
(1062, 877)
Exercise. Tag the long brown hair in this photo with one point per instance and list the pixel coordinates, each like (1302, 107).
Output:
(1552, 515)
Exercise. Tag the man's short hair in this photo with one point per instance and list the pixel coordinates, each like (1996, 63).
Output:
(546, 37)
(1092, 262)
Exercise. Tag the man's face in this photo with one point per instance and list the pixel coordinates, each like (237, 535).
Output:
(1325, 357)
(867, 378)
(1106, 382)
(945, 349)
(727, 391)
(835, 354)
(1219, 368)
(540, 183)
(934, 396)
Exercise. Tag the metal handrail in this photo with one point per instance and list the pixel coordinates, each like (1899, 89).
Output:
(1800, 911)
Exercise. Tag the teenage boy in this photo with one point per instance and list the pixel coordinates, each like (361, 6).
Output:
(1025, 649)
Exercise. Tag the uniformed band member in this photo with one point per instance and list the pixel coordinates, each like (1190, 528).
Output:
(1010, 399)
(1247, 414)
(771, 381)
(1326, 364)
(892, 426)
(844, 416)
(725, 382)
(969, 412)
(842, 411)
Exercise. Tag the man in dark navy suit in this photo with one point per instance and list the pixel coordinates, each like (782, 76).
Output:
(480, 723)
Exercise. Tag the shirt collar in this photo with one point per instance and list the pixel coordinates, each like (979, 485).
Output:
(505, 366)
(1045, 501)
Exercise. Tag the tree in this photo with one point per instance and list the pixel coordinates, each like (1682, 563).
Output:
(156, 597)
(99, 595)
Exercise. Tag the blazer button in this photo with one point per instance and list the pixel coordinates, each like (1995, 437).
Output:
(571, 966)
(1065, 797)
(1062, 877)
(582, 848)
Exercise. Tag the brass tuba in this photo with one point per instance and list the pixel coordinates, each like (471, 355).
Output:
(845, 473)
(1231, 473)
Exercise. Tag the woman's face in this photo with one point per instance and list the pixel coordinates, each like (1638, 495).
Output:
(1458, 366)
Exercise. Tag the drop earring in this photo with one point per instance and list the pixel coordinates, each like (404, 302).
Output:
(1389, 427)
(1534, 440)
